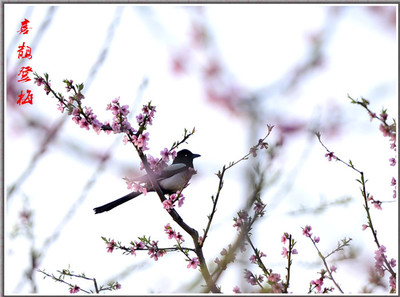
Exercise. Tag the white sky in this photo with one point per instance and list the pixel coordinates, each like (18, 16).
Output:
(259, 44)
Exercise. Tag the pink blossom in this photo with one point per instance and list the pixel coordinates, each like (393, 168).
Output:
(47, 89)
(168, 205)
(294, 252)
(170, 232)
(124, 110)
(318, 284)
(165, 155)
(379, 260)
(333, 268)
(383, 116)
(393, 183)
(393, 262)
(142, 141)
(392, 161)
(194, 262)
(253, 259)
(174, 154)
(277, 287)
(259, 207)
(117, 286)
(140, 118)
(110, 246)
(306, 231)
(377, 204)
(384, 129)
(60, 107)
(140, 245)
(283, 238)
(372, 115)
(84, 124)
(364, 226)
(96, 124)
(274, 277)
(316, 239)
(236, 290)
(392, 282)
(133, 251)
(330, 156)
(284, 252)
(39, 81)
(179, 237)
(74, 289)
(180, 201)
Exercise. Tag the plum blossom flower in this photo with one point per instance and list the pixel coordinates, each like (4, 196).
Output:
(74, 289)
(330, 156)
(110, 246)
(236, 290)
(306, 231)
(194, 262)
(284, 252)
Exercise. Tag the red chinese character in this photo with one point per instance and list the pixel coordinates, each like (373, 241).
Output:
(21, 51)
(24, 27)
(24, 72)
(28, 99)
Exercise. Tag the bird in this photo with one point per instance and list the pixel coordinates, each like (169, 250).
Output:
(171, 179)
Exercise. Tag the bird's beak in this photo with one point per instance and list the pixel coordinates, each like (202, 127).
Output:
(196, 156)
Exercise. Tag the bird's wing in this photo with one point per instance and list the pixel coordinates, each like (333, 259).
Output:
(165, 173)
(171, 170)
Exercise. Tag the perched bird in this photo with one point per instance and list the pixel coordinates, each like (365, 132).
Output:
(171, 179)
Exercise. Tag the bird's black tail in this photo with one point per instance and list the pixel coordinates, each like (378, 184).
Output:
(115, 203)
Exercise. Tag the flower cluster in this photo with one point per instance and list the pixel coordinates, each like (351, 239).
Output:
(157, 164)
(154, 251)
(254, 258)
(292, 251)
(41, 81)
(85, 117)
(241, 220)
(377, 203)
(261, 143)
(380, 259)
(168, 204)
(307, 231)
(110, 246)
(259, 207)
(388, 130)
(136, 246)
(253, 279)
(81, 115)
(173, 234)
(274, 280)
(318, 283)
(120, 122)
(144, 244)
